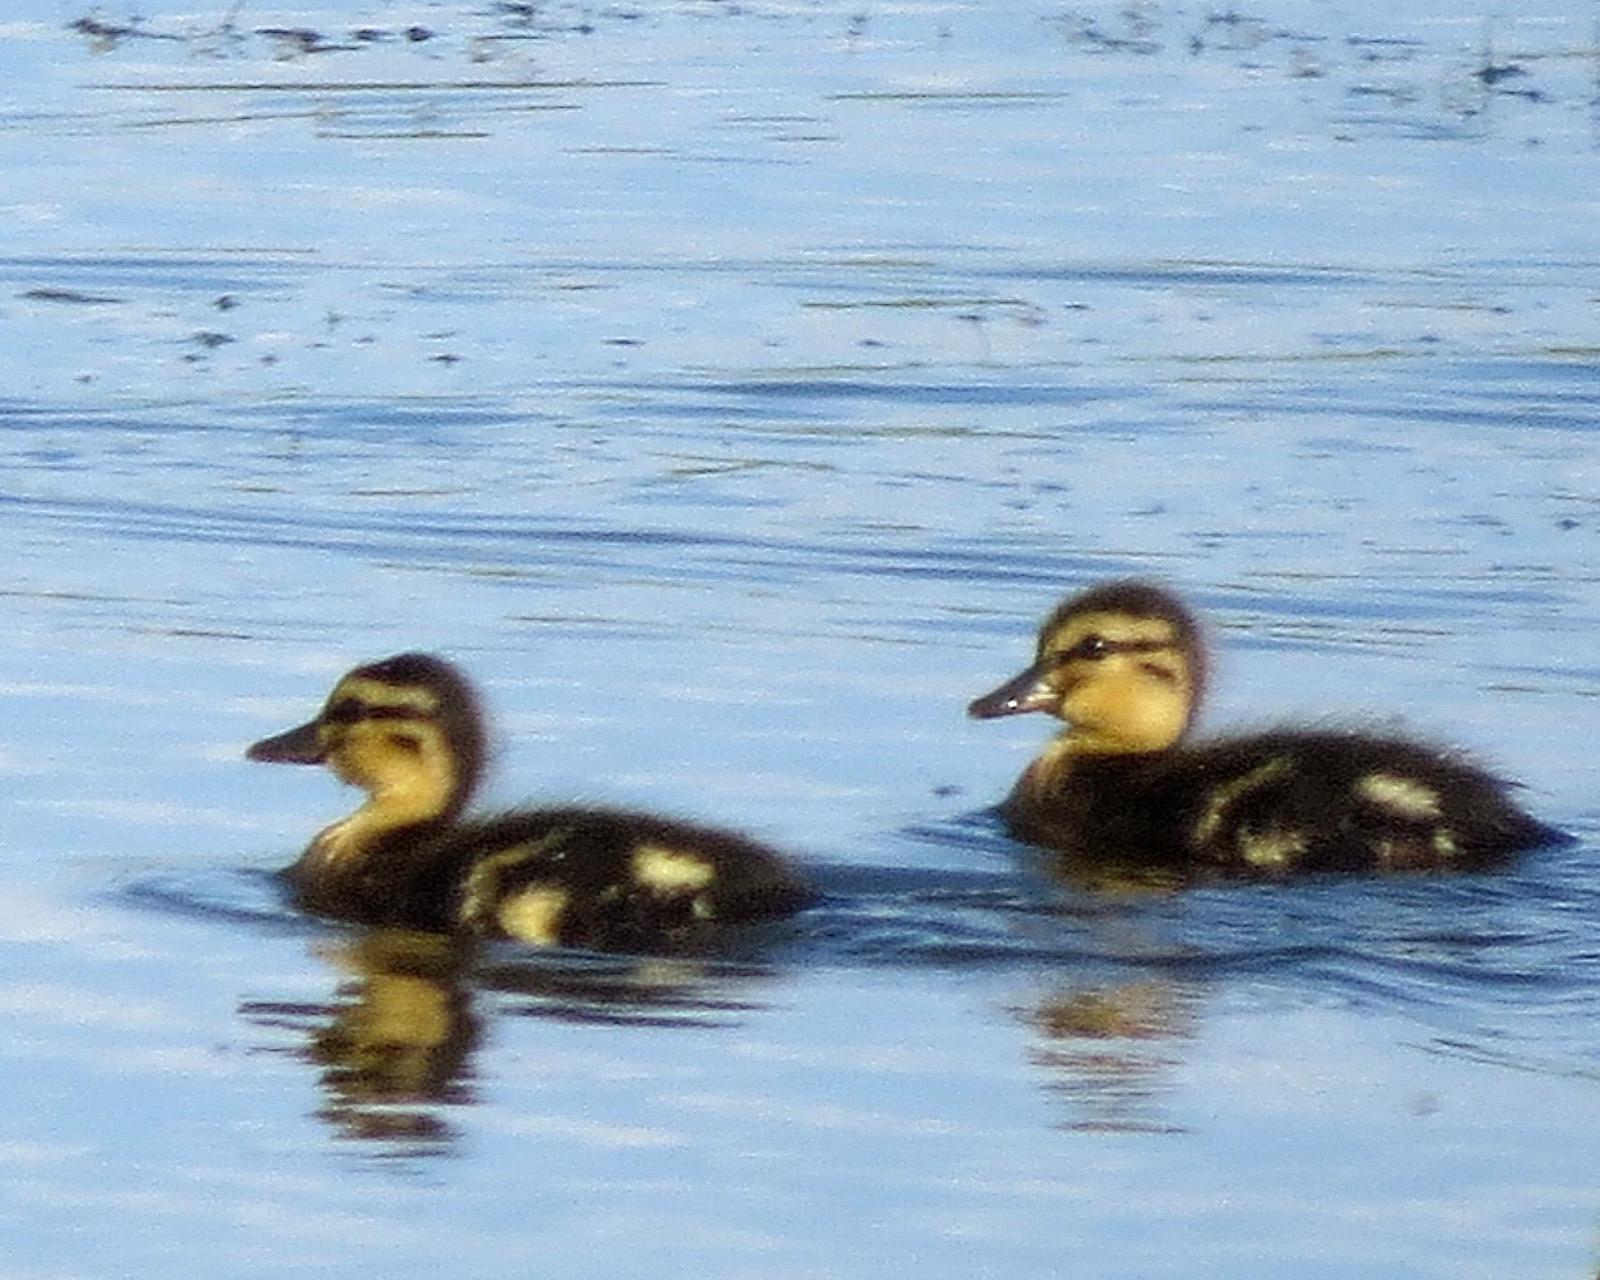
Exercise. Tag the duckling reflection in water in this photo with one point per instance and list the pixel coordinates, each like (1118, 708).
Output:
(1111, 1052)
(408, 731)
(398, 1041)
(1124, 666)
(395, 1045)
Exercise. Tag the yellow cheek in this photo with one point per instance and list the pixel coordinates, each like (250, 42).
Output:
(343, 758)
(363, 759)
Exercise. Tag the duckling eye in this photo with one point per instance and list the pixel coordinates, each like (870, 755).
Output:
(1091, 648)
(345, 711)
(407, 743)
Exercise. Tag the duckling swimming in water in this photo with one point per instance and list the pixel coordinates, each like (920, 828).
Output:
(408, 731)
(1123, 664)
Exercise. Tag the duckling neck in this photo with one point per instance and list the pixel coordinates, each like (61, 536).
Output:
(1074, 745)
(417, 801)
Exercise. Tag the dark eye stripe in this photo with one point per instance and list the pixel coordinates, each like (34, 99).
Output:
(1093, 648)
(396, 713)
(350, 710)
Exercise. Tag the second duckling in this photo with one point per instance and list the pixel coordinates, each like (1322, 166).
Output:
(409, 732)
(1124, 666)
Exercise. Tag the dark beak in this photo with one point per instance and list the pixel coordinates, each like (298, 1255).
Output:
(1030, 691)
(299, 746)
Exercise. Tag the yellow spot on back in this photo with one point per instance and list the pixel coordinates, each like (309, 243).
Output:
(1403, 797)
(1225, 795)
(534, 915)
(482, 893)
(1271, 849)
(670, 871)
(1409, 853)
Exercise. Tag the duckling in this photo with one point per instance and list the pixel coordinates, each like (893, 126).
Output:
(1124, 665)
(408, 731)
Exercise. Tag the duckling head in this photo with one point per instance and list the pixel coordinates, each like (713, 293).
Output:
(406, 730)
(1122, 664)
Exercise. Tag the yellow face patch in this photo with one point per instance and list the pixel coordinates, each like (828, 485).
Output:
(407, 761)
(1124, 681)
